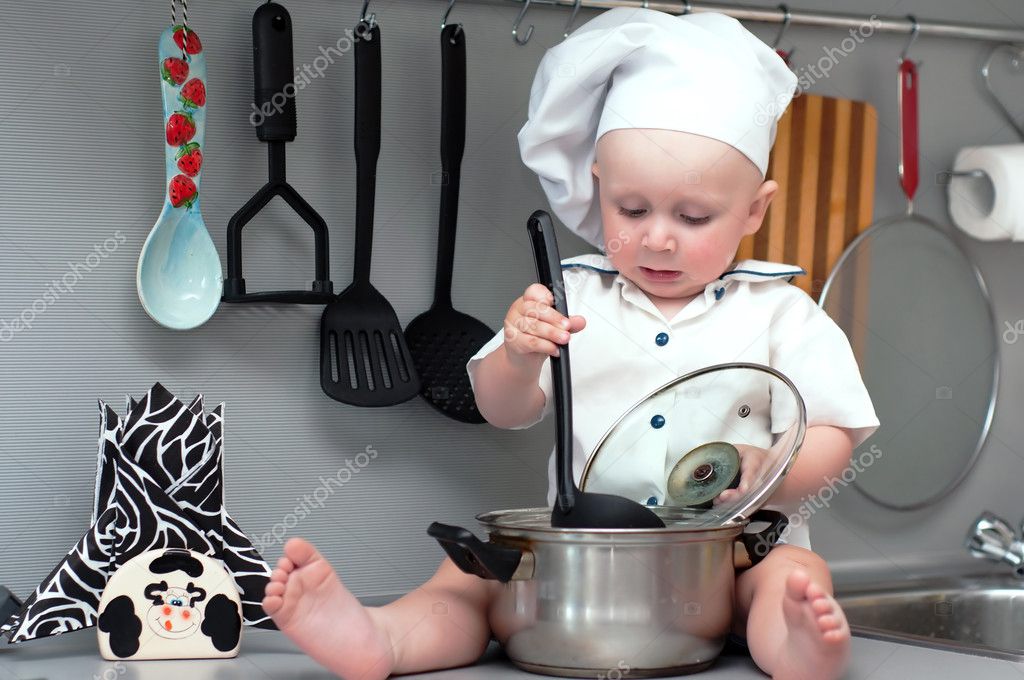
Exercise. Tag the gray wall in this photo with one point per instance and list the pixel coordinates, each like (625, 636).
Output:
(81, 161)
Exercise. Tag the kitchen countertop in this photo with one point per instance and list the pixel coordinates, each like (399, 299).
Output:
(269, 654)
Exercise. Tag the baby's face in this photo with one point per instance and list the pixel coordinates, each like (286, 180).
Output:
(675, 206)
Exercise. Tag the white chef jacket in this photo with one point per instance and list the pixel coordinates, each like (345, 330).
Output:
(749, 314)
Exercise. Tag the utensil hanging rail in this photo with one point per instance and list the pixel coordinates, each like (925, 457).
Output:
(886, 24)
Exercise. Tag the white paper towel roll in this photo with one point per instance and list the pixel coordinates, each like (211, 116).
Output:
(990, 208)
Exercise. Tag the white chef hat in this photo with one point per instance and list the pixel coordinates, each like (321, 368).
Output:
(701, 73)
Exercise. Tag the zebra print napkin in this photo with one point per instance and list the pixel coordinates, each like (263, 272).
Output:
(159, 484)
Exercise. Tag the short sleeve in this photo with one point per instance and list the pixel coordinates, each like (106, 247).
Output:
(813, 351)
(544, 381)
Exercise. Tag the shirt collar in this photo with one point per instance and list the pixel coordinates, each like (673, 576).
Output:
(760, 270)
(744, 270)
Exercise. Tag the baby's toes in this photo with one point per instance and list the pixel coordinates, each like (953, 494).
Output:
(275, 589)
(832, 623)
(833, 629)
(285, 565)
(798, 584)
(279, 575)
(300, 551)
(828, 622)
(272, 604)
(822, 605)
(816, 592)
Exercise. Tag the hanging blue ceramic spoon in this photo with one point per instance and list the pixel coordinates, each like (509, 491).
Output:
(179, 277)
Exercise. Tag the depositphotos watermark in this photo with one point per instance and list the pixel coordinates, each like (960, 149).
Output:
(811, 73)
(309, 503)
(111, 672)
(1013, 331)
(823, 497)
(65, 285)
(304, 76)
(621, 670)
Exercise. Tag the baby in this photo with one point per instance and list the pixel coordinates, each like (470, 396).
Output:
(669, 202)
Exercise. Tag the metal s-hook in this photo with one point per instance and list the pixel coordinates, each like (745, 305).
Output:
(369, 20)
(786, 17)
(915, 27)
(1016, 61)
(444, 21)
(572, 18)
(519, 19)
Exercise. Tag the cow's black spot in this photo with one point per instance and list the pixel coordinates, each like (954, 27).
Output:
(124, 627)
(173, 560)
(222, 624)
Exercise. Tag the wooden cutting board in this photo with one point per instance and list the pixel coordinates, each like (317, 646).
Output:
(824, 162)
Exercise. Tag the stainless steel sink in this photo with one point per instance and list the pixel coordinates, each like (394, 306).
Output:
(971, 614)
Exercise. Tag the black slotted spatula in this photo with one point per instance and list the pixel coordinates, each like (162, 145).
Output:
(364, 360)
(443, 339)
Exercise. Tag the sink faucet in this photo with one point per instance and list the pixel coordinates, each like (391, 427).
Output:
(991, 537)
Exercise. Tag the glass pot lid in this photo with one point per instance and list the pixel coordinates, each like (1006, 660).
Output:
(733, 428)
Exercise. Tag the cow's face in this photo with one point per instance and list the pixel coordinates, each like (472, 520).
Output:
(175, 616)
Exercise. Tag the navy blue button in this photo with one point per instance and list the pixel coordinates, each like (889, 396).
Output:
(719, 292)
(661, 339)
(652, 501)
(657, 421)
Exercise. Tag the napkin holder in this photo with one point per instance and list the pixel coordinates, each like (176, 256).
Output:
(170, 604)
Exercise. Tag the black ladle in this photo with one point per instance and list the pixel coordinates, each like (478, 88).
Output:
(575, 509)
(442, 339)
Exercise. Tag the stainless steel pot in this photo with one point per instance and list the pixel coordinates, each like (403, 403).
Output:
(598, 602)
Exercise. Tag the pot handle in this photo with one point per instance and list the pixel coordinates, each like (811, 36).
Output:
(759, 544)
(473, 556)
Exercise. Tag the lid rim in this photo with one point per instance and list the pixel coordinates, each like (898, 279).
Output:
(492, 520)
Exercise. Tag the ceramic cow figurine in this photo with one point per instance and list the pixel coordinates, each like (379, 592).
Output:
(170, 604)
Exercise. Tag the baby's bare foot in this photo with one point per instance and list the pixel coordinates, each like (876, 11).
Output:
(310, 605)
(817, 646)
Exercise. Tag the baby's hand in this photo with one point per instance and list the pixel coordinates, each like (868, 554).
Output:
(753, 462)
(533, 328)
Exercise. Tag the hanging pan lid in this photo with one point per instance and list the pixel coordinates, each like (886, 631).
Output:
(718, 441)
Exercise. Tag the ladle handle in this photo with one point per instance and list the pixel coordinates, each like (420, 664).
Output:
(453, 144)
(274, 112)
(549, 273)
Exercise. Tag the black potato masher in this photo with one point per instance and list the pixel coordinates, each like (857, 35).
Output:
(276, 112)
